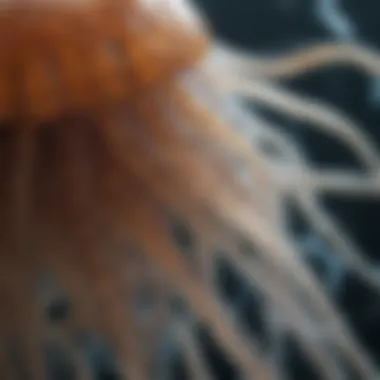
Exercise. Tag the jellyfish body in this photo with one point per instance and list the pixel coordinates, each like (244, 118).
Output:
(115, 123)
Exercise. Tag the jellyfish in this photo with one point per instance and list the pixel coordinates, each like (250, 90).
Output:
(130, 167)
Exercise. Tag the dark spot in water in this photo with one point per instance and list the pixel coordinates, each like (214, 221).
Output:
(228, 281)
(183, 236)
(58, 310)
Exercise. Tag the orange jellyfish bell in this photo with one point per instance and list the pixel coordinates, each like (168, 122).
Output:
(71, 55)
